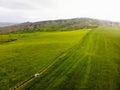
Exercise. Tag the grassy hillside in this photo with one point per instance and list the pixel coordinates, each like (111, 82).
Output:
(22, 55)
(58, 25)
(92, 64)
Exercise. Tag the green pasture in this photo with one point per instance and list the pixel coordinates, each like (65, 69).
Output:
(22, 55)
(91, 64)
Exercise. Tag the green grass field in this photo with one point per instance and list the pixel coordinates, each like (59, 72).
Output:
(86, 59)
(92, 64)
(22, 55)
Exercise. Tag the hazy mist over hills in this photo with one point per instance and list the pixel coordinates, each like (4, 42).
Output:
(3, 24)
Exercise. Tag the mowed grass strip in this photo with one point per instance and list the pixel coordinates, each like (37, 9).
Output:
(31, 52)
(93, 64)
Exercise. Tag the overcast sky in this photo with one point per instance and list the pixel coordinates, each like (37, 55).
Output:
(38, 10)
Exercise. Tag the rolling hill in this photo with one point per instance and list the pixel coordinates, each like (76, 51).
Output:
(58, 25)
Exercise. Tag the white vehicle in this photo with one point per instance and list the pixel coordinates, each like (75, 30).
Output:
(36, 75)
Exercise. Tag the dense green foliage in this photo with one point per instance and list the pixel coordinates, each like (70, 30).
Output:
(8, 38)
(22, 55)
(92, 64)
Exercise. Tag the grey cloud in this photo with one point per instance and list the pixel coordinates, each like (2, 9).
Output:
(46, 3)
(14, 4)
(8, 17)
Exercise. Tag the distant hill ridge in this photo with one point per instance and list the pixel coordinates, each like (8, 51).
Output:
(58, 25)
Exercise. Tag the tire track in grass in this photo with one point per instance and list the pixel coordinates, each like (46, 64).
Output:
(64, 61)
(70, 82)
(106, 70)
(90, 53)
(103, 66)
(64, 73)
(40, 73)
(73, 64)
(114, 62)
(104, 74)
(107, 79)
(114, 75)
(86, 76)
